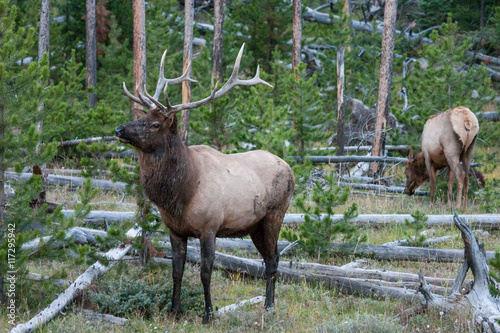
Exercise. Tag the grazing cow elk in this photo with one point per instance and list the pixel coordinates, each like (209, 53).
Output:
(447, 140)
(203, 193)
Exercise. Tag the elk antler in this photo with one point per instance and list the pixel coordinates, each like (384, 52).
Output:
(152, 101)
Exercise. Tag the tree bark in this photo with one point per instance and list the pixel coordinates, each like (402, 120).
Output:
(297, 32)
(340, 100)
(91, 51)
(219, 11)
(43, 46)
(188, 55)
(139, 50)
(384, 91)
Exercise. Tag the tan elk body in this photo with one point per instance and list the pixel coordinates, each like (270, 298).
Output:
(203, 193)
(447, 140)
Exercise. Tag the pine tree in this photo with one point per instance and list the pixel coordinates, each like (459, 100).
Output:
(446, 82)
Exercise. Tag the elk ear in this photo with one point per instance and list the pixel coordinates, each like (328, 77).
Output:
(139, 113)
(172, 120)
(411, 154)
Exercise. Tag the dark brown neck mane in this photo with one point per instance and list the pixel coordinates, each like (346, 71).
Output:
(167, 175)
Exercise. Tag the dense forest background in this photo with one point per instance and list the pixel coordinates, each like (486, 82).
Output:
(443, 75)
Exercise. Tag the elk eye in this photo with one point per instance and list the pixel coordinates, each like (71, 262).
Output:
(155, 125)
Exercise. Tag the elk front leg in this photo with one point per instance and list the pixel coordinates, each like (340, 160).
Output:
(207, 260)
(179, 248)
(431, 170)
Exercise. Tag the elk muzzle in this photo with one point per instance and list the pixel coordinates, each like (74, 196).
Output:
(120, 134)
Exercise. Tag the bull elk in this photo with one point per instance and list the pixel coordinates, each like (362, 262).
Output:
(203, 193)
(447, 140)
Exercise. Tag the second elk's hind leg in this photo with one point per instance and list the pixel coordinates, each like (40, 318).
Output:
(467, 161)
(179, 248)
(207, 244)
(452, 154)
(265, 238)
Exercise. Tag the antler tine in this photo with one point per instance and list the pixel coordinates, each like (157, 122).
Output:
(162, 81)
(152, 99)
(232, 82)
(132, 97)
(146, 101)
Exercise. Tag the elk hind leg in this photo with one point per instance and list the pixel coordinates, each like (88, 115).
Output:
(467, 161)
(451, 180)
(207, 245)
(265, 238)
(179, 248)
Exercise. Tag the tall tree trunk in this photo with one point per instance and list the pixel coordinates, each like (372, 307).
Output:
(481, 13)
(139, 50)
(297, 32)
(347, 12)
(43, 46)
(91, 51)
(340, 101)
(219, 10)
(188, 55)
(384, 90)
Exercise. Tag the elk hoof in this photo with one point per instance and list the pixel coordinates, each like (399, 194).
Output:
(207, 318)
(176, 314)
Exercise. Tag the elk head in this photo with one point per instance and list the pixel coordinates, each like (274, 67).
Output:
(416, 172)
(156, 128)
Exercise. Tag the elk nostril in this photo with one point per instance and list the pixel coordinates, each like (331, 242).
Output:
(119, 130)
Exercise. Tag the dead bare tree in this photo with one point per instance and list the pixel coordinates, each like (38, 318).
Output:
(219, 10)
(340, 101)
(384, 91)
(485, 307)
(139, 51)
(91, 51)
(297, 32)
(188, 54)
(43, 47)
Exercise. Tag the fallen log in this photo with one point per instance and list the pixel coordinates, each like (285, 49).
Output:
(312, 15)
(365, 148)
(72, 182)
(83, 281)
(105, 317)
(485, 221)
(99, 216)
(239, 305)
(380, 188)
(255, 268)
(407, 253)
(76, 142)
(79, 235)
(370, 274)
(427, 242)
(486, 309)
(488, 60)
(488, 115)
(342, 159)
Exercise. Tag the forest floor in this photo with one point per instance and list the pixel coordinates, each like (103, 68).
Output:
(144, 292)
